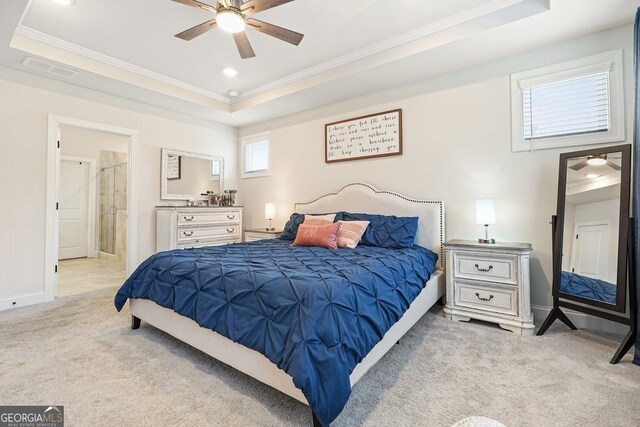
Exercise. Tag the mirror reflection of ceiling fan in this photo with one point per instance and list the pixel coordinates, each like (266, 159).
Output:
(232, 16)
(596, 161)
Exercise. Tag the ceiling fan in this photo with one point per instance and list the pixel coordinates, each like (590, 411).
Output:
(595, 161)
(231, 16)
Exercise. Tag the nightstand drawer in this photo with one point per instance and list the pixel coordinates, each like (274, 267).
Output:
(491, 298)
(485, 267)
(195, 233)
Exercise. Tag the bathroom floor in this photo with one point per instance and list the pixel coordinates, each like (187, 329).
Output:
(79, 275)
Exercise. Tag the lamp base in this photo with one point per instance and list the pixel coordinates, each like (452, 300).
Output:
(487, 241)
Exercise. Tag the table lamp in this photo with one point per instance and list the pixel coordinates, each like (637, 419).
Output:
(485, 215)
(269, 213)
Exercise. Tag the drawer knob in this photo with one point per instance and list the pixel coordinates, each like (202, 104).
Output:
(484, 270)
(188, 218)
(231, 217)
(231, 230)
(189, 234)
(484, 299)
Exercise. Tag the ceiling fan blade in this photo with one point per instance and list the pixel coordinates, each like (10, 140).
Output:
(613, 166)
(275, 31)
(255, 6)
(196, 3)
(244, 47)
(194, 32)
(580, 165)
(225, 3)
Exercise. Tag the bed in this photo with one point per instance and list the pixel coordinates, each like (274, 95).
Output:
(587, 287)
(309, 322)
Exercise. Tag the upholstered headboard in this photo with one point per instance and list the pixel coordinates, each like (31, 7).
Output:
(364, 198)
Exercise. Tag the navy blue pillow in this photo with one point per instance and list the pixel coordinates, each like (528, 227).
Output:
(386, 231)
(291, 227)
(290, 230)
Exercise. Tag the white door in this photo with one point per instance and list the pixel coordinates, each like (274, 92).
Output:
(73, 215)
(590, 254)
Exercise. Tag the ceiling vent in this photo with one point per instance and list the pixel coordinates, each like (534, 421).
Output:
(47, 67)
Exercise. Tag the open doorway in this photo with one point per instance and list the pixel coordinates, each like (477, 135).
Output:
(92, 210)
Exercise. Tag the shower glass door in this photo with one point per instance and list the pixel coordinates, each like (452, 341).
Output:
(113, 198)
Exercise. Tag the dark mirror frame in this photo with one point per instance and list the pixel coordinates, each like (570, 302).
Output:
(625, 196)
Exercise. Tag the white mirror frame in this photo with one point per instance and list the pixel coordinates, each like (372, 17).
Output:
(164, 195)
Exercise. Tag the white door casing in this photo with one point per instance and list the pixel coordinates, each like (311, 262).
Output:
(73, 214)
(590, 253)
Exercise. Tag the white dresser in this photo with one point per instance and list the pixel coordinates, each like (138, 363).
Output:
(194, 227)
(489, 282)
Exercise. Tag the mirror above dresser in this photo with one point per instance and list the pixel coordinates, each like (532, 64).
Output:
(186, 176)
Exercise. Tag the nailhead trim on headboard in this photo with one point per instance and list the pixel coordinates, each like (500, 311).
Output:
(436, 202)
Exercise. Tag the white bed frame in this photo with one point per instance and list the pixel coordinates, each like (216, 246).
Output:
(353, 198)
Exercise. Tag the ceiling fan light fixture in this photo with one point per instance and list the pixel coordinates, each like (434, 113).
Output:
(597, 161)
(230, 20)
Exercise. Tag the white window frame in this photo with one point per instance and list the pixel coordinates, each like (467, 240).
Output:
(250, 139)
(604, 62)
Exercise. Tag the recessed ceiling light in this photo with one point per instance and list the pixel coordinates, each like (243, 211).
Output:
(229, 71)
(233, 93)
(65, 2)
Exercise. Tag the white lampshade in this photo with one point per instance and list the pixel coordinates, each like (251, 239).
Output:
(485, 211)
(269, 210)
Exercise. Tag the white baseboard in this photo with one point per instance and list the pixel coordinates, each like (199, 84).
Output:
(21, 301)
(582, 321)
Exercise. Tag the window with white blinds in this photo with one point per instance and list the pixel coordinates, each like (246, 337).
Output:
(578, 102)
(571, 107)
(255, 156)
(215, 169)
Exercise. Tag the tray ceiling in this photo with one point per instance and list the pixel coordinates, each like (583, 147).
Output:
(128, 48)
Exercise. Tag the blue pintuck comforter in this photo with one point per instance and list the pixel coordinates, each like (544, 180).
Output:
(313, 312)
(587, 287)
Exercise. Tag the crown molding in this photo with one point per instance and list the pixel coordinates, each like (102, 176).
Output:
(30, 33)
(395, 42)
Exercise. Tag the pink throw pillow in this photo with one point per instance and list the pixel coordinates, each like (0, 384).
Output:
(319, 219)
(350, 233)
(324, 236)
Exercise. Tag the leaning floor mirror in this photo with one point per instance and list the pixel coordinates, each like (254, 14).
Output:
(592, 240)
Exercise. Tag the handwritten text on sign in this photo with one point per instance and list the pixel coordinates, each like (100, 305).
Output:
(364, 137)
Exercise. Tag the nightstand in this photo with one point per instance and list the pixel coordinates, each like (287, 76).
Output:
(261, 234)
(489, 282)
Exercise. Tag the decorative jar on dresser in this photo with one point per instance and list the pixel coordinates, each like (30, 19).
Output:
(489, 282)
(195, 227)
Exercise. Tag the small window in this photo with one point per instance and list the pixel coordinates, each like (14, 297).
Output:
(255, 156)
(574, 103)
(215, 170)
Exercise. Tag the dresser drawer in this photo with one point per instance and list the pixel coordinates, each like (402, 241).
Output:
(201, 244)
(486, 267)
(493, 298)
(205, 233)
(200, 218)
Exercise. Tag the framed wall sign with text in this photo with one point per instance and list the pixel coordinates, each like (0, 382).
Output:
(365, 137)
(173, 166)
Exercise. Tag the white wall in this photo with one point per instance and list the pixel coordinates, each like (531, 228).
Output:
(23, 119)
(457, 148)
(88, 142)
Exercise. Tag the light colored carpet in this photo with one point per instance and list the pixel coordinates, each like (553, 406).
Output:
(80, 353)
